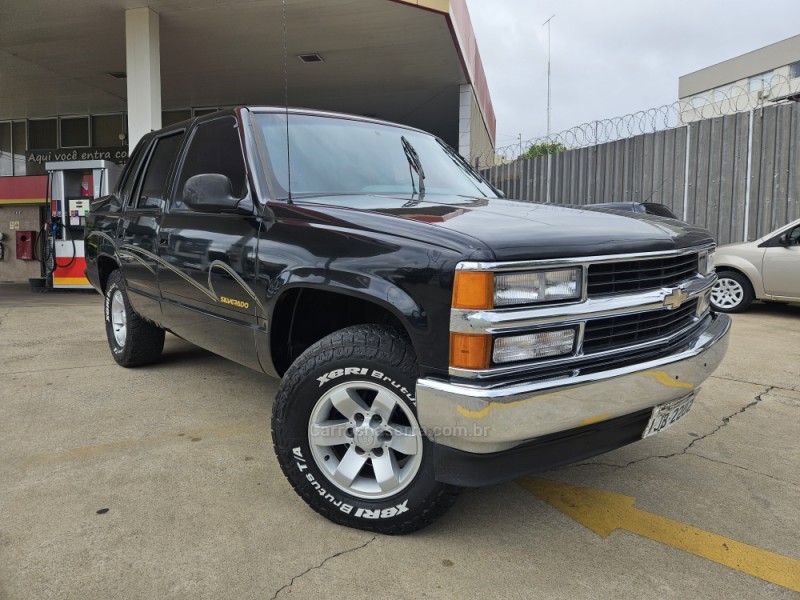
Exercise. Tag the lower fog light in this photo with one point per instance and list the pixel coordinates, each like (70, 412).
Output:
(533, 345)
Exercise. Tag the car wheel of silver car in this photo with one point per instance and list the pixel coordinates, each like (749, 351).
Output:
(732, 292)
(133, 341)
(346, 434)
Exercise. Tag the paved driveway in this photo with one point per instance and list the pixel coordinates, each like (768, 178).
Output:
(160, 483)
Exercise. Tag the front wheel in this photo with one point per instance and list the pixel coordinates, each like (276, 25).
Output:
(346, 434)
(732, 292)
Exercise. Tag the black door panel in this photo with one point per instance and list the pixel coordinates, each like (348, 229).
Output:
(207, 260)
(207, 275)
(137, 250)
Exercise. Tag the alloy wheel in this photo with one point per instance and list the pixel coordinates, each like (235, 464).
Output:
(118, 320)
(365, 440)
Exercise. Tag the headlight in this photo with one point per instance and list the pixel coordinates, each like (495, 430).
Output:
(536, 286)
(533, 345)
(705, 264)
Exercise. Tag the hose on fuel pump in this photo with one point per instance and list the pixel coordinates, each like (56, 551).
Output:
(45, 248)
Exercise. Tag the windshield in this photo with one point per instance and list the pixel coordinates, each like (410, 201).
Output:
(332, 155)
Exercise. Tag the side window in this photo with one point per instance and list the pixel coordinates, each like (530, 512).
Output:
(214, 148)
(794, 236)
(153, 188)
(134, 164)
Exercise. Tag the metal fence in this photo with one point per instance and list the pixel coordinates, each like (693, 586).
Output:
(743, 96)
(738, 175)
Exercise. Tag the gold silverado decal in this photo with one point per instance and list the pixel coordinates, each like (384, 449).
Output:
(234, 302)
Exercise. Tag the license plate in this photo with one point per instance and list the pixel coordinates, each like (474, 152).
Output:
(666, 415)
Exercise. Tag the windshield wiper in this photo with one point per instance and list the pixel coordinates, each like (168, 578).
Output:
(414, 163)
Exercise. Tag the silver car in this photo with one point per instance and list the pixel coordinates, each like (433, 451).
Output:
(767, 269)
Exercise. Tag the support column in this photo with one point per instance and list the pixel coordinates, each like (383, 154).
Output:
(143, 68)
(465, 121)
(474, 142)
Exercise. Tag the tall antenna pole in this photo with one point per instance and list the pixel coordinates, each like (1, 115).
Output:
(286, 102)
(548, 74)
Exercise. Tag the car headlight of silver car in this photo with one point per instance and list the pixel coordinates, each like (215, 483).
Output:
(536, 286)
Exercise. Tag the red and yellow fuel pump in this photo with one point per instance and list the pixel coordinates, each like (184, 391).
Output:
(72, 187)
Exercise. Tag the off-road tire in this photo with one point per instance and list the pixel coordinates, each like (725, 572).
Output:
(362, 356)
(143, 342)
(733, 292)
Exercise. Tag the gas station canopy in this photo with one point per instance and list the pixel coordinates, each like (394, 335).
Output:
(411, 61)
(85, 79)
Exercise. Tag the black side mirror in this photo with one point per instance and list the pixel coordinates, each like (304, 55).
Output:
(783, 240)
(210, 192)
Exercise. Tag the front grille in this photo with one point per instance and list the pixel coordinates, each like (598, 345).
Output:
(617, 332)
(638, 275)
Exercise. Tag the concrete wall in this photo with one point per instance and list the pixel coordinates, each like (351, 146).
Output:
(11, 269)
(480, 141)
(736, 96)
(758, 61)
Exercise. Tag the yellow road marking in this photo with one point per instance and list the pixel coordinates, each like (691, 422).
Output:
(84, 452)
(605, 512)
(664, 379)
(482, 413)
(597, 419)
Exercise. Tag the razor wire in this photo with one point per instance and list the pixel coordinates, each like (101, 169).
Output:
(754, 93)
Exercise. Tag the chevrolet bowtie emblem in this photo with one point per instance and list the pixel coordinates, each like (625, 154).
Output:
(675, 298)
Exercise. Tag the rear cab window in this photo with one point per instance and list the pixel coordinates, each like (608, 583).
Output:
(152, 189)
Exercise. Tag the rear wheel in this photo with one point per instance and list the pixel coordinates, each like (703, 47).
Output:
(133, 341)
(732, 293)
(345, 430)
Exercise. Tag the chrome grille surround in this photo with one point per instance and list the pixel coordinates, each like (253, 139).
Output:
(646, 305)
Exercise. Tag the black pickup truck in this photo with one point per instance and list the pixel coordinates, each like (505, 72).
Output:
(429, 334)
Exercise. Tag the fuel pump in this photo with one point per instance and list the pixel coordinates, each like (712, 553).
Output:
(72, 187)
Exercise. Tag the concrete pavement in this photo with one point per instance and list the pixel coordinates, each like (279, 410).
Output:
(180, 456)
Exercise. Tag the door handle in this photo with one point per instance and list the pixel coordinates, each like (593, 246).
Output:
(163, 238)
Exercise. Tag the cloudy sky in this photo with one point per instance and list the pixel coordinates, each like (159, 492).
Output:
(610, 57)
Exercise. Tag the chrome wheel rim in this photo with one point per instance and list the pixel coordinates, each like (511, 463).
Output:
(365, 440)
(118, 321)
(727, 293)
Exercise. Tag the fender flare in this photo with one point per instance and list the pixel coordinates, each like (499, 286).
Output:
(358, 284)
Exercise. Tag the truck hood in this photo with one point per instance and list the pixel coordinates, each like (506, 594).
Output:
(514, 230)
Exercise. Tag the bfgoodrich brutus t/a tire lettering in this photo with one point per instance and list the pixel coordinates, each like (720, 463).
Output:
(346, 434)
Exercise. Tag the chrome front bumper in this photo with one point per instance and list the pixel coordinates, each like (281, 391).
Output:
(484, 419)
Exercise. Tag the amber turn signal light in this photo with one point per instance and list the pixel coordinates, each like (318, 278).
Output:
(473, 290)
(470, 351)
